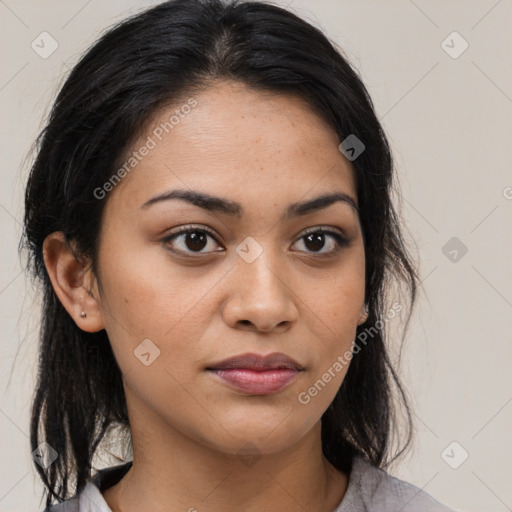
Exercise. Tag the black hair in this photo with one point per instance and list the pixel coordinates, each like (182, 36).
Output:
(143, 63)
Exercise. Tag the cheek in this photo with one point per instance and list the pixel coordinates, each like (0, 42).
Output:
(144, 291)
(145, 297)
(334, 309)
(338, 297)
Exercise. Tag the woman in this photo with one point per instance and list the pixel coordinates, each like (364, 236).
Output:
(209, 215)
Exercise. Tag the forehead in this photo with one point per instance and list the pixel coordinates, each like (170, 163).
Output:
(233, 140)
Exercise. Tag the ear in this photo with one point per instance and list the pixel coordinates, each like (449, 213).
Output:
(364, 315)
(73, 282)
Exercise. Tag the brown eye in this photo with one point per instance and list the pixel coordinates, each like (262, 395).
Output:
(191, 240)
(316, 240)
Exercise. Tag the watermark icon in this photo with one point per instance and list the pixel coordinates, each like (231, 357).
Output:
(454, 249)
(454, 455)
(249, 454)
(249, 249)
(507, 193)
(454, 45)
(351, 147)
(151, 143)
(146, 352)
(343, 360)
(44, 455)
(44, 45)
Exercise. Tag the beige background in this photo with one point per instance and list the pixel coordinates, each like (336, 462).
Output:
(449, 123)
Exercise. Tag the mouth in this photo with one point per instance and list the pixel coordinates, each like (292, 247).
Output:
(256, 374)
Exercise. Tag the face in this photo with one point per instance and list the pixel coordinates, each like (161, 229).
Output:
(250, 276)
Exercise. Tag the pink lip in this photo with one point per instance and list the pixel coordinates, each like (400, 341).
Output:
(256, 374)
(258, 382)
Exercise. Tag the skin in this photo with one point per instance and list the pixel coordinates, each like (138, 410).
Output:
(264, 151)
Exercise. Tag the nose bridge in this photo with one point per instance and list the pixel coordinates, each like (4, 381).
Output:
(259, 266)
(261, 294)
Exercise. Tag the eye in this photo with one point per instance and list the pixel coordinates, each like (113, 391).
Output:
(318, 238)
(191, 240)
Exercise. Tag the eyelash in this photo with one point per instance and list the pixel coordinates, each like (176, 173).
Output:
(341, 241)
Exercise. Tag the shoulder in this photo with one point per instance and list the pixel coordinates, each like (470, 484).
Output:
(91, 499)
(71, 505)
(372, 490)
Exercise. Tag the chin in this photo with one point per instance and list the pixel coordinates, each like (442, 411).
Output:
(259, 437)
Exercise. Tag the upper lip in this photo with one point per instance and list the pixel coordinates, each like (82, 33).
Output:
(257, 362)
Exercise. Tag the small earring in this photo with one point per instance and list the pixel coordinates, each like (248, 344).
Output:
(83, 314)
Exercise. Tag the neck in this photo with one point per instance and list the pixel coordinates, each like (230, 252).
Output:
(173, 472)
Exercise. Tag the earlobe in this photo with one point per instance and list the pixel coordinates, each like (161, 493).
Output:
(72, 281)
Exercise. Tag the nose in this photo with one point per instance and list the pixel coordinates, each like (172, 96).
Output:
(259, 296)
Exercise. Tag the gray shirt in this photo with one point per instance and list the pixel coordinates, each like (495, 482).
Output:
(369, 490)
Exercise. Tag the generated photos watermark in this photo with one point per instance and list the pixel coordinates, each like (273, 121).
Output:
(136, 156)
(344, 359)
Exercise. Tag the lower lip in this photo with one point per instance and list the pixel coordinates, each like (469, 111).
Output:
(258, 382)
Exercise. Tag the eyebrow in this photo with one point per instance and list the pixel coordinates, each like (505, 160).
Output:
(226, 206)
